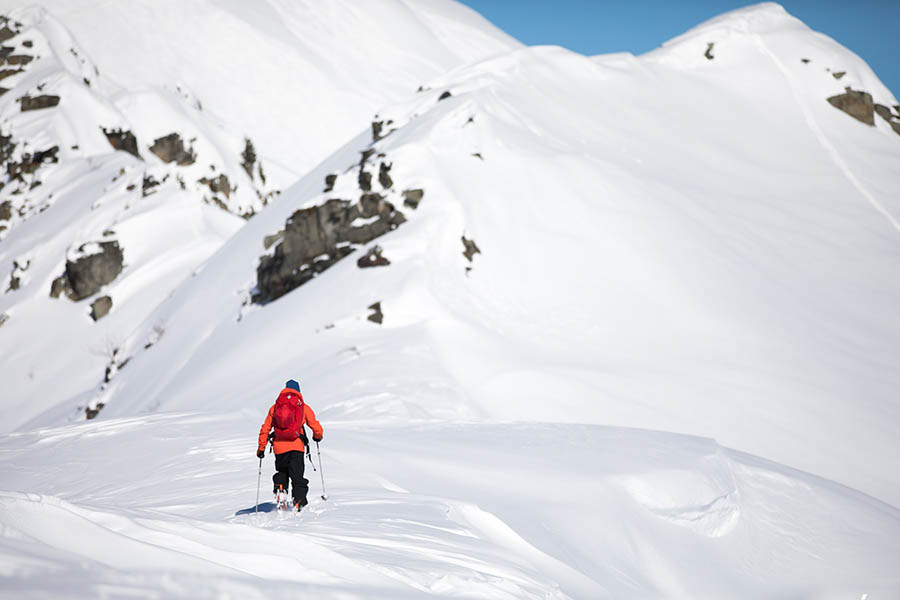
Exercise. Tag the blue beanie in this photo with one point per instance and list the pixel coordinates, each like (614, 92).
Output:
(292, 385)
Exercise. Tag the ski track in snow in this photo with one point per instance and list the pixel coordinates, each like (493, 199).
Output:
(817, 131)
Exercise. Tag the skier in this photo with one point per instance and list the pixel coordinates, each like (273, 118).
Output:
(288, 416)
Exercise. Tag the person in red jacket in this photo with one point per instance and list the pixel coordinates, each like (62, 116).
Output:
(288, 416)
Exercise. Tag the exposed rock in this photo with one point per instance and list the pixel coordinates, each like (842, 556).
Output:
(271, 239)
(28, 43)
(317, 237)
(857, 104)
(88, 274)
(838, 74)
(883, 111)
(7, 34)
(38, 102)
(248, 157)
(19, 59)
(170, 148)
(384, 177)
(805, 61)
(5, 210)
(329, 182)
(377, 316)
(148, 184)
(373, 258)
(3, 90)
(61, 286)
(90, 413)
(478, 155)
(709, 48)
(219, 185)
(4, 73)
(444, 96)
(100, 307)
(3, 318)
(122, 140)
(411, 198)
(365, 181)
(469, 248)
(377, 126)
(31, 162)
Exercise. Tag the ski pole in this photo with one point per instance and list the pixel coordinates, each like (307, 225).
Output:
(258, 480)
(319, 452)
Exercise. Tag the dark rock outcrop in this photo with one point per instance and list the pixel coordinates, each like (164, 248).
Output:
(85, 276)
(384, 176)
(5, 210)
(100, 307)
(218, 185)
(373, 258)
(411, 198)
(122, 140)
(317, 237)
(709, 49)
(838, 74)
(4, 73)
(377, 315)
(469, 248)
(3, 318)
(31, 162)
(857, 104)
(444, 96)
(329, 182)
(19, 59)
(149, 182)
(248, 157)
(90, 413)
(38, 102)
(883, 111)
(170, 148)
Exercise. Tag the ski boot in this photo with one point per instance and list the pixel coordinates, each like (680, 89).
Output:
(281, 498)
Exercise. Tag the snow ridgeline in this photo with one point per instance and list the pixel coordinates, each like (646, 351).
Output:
(446, 510)
(695, 240)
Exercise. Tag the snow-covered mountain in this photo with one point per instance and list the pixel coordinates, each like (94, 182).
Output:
(521, 300)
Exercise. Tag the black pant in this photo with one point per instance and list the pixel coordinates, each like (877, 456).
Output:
(290, 464)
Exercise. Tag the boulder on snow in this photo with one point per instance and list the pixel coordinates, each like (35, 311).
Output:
(90, 413)
(470, 249)
(838, 74)
(248, 157)
(329, 182)
(411, 198)
(5, 210)
(122, 140)
(373, 258)
(857, 104)
(377, 315)
(709, 49)
(86, 275)
(170, 148)
(317, 237)
(38, 102)
(100, 307)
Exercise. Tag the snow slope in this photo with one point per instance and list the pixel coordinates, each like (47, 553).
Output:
(441, 510)
(299, 78)
(673, 250)
(710, 268)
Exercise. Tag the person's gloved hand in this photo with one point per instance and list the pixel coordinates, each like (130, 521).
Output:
(260, 454)
(317, 439)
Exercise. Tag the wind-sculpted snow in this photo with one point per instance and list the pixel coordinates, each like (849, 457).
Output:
(488, 511)
(691, 241)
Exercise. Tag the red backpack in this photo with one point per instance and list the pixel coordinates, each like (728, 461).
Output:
(288, 415)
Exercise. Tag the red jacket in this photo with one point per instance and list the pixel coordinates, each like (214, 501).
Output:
(282, 446)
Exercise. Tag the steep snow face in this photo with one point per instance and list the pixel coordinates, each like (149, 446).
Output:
(298, 77)
(109, 198)
(144, 167)
(707, 248)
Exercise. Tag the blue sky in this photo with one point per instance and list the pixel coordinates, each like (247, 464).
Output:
(870, 28)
